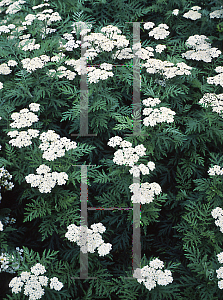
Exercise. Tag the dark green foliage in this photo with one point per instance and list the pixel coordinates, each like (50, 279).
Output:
(177, 226)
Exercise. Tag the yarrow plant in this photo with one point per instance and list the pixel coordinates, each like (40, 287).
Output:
(33, 282)
(46, 180)
(153, 273)
(1, 226)
(108, 40)
(51, 151)
(163, 114)
(126, 156)
(89, 239)
(217, 213)
(4, 176)
(23, 139)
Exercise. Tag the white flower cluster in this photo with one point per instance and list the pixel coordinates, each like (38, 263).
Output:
(216, 101)
(220, 276)
(220, 271)
(33, 283)
(158, 32)
(126, 156)
(79, 65)
(4, 69)
(56, 148)
(4, 176)
(218, 79)
(55, 284)
(215, 170)
(12, 63)
(51, 151)
(157, 115)
(44, 15)
(6, 29)
(216, 14)
(135, 170)
(97, 74)
(166, 68)
(123, 54)
(23, 138)
(47, 181)
(40, 6)
(105, 42)
(220, 257)
(63, 72)
(145, 194)
(153, 273)
(106, 45)
(218, 213)
(159, 48)
(32, 64)
(175, 12)
(202, 49)
(148, 51)
(8, 262)
(28, 44)
(193, 14)
(143, 53)
(14, 7)
(1, 226)
(25, 118)
(89, 239)
(71, 44)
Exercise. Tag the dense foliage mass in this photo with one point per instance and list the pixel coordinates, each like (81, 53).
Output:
(177, 156)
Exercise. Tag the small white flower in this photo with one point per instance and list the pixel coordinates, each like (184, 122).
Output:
(104, 249)
(1, 226)
(125, 144)
(99, 227)
(175, 12)
(38, 269)
(220, 257)
(114, 141)
(34, 106)
(25, 276)
(156, 263)
(151, 165)
(148, 25)
(55, 284)
(43, 280)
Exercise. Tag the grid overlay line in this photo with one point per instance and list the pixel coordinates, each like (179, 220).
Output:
(136, 250)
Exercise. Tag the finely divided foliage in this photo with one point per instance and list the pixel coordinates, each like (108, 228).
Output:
(45, 151)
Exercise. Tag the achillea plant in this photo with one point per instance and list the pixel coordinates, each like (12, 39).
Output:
(45, 59)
